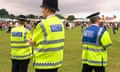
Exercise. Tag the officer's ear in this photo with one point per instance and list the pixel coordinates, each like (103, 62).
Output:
(45, 9)
(98, 19)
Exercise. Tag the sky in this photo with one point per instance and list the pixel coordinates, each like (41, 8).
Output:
(79, 8)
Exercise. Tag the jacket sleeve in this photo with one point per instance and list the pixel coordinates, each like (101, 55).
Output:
(105, 40)
(29, 35)
(36, 33)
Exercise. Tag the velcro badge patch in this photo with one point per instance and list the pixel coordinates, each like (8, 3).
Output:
(56, 28)
(17, 34)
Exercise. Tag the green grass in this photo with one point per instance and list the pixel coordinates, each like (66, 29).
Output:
(72, 52)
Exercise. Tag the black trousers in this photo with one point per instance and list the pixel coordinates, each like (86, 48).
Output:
(88, 68)
(20, 65)
(46, 70)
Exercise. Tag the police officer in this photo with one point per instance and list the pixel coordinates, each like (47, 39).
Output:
(95, 41)
(48, 38)
(21, 52)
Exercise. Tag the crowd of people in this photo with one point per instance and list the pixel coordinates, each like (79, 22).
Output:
(8, 25)
(114, 26)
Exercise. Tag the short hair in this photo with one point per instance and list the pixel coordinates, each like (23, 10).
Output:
(52, 10)
(21, 22)
(94, 19)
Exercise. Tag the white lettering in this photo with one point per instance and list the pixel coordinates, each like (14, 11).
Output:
(89, 33)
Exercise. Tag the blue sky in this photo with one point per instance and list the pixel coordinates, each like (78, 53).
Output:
(80, 8)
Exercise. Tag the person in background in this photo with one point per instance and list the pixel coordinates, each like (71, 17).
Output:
(114, 28)
(0, 25)
(10, 25)
(102, 24)
(28, 25)
(21, 52)
(95, 42)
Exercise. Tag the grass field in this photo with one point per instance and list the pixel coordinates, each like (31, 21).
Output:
(72, 52)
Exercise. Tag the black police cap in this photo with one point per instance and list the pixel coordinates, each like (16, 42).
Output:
(93, 15)
(21, 18)
(52, 4)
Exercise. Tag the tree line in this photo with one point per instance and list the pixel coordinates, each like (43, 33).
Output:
(5, 14)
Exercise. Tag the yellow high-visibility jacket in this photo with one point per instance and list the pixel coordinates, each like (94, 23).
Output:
(20, 48)
(49, 38)
(95, 41)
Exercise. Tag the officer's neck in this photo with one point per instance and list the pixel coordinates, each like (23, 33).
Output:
(20, 25)
(96, 24)
(50, 15)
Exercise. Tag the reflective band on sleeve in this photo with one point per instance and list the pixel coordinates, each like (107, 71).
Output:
(106, 46)
(95, 50)
(24, 56)
(47, 64)
(94, 62)
(49, 49)
(20, 46)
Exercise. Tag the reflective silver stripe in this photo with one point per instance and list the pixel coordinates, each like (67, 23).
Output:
(90, 43)
(26, 30)
(44, 32)
(19, 41)
(98, 36)
(106, 46)
(52, 41)
(47, 64)
(24, 56)
(20, 46)
(95, 50)
(49, 49)
(95, 62)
